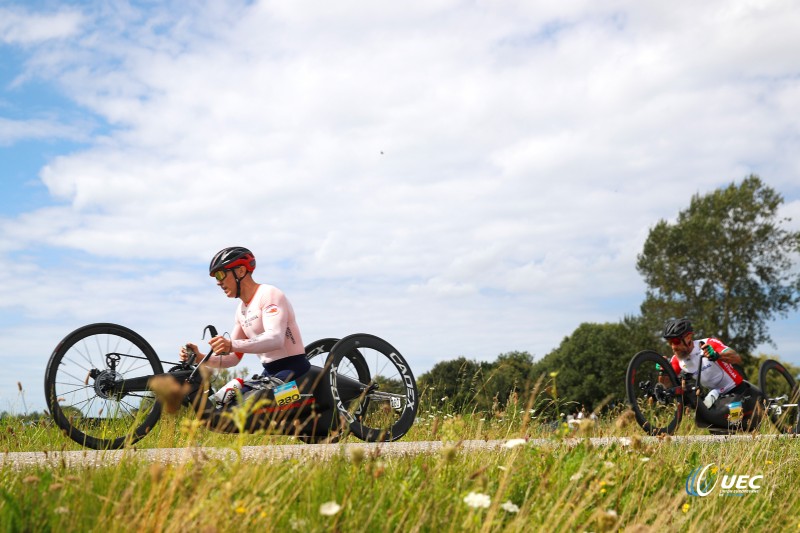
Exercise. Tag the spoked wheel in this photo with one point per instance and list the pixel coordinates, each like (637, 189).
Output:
(782, 394)
(352, 364)
(657, 403)
(384, 407)
(82, 392)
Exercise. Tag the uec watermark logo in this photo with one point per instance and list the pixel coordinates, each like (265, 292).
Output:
(704, 479)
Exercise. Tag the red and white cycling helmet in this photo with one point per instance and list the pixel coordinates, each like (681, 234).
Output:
(232, 257)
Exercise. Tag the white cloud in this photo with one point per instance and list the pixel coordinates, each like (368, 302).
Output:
(18, 26)
(464, 179)
(13, 131)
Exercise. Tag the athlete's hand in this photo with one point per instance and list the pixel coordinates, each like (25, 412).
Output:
(220, 345)
(711, 353)
(184, 353)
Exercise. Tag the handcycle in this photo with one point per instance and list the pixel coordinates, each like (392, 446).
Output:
(98, 387)
(659, 397)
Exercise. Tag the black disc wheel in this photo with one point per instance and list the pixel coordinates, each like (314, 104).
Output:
(83, 386)
(781, 392)
(382, 408)
(654, 393)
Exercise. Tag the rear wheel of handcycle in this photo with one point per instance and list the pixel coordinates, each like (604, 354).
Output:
(352, 364)
(657, 403)
(384, 407)
(782, 394)
(79, 386)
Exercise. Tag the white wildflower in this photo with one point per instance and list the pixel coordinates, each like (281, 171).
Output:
(329, 508)
(478, 500)
(510, 507)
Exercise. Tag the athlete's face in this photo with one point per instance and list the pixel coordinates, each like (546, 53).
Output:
(227, 282)
(682, 346)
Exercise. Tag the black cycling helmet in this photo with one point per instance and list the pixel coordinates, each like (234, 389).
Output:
(676, 327)
(232, 257)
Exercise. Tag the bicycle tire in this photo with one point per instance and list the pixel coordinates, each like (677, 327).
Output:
(329, 427)
(656, 411)
(352, 365)
(775, 381)
(81, 407)
(391, 392)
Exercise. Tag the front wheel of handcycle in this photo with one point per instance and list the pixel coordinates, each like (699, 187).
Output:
(382, 408)
(781, 396)
(82, 392)
(654, 393)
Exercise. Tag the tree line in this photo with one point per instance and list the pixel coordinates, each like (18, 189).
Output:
(726, 262)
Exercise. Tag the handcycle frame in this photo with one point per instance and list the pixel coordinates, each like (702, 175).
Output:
(114, 405)
(646, 396)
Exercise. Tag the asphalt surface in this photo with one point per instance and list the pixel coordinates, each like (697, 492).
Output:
(318, 452)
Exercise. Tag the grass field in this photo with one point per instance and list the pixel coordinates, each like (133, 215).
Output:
(556, 487)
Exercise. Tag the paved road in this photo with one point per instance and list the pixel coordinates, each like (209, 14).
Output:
(313, 451)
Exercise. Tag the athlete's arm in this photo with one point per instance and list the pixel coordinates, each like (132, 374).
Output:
(663, 378)
(223, 356)
(275, 319)
(729, 355)
(726, 353)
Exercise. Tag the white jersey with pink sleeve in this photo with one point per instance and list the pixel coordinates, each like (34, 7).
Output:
(266, 326)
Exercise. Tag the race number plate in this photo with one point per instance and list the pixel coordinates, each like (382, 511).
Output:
(287, 393)
(735, 414)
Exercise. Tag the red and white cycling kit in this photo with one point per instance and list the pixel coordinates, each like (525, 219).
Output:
(716, 374)
(265, 326)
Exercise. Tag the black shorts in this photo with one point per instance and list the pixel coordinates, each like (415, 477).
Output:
(288, 368)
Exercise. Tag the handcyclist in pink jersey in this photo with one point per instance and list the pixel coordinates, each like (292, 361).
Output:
(265, 322)
(718, 373)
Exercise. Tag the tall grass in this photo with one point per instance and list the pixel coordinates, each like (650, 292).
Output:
(559, 487)
(550, 484)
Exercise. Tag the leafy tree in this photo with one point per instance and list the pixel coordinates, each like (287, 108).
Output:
(726, 263)
(591, 363)
(511, 373)
(758, 360)
(461, 381)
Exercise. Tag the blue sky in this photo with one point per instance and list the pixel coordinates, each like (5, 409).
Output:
(461, 178)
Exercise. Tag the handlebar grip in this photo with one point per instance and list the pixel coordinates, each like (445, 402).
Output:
(213, 331)
(192, 355)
